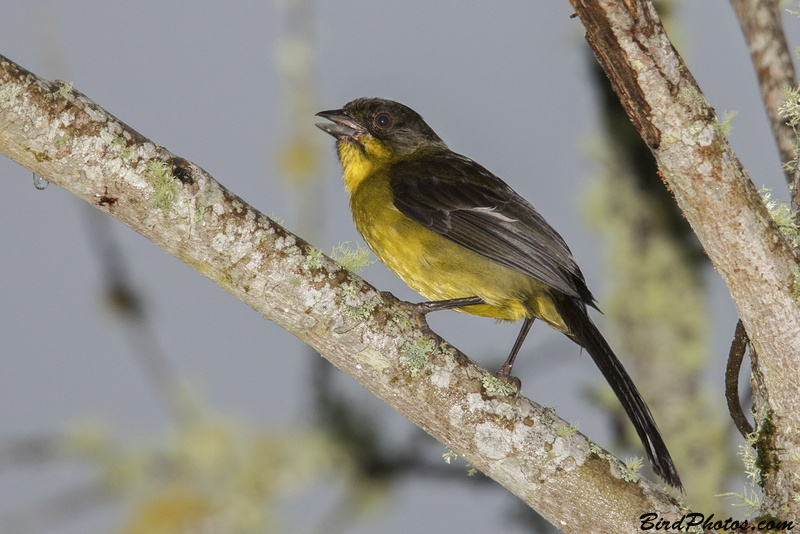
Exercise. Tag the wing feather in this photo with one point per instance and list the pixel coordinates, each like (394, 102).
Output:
(488, 217)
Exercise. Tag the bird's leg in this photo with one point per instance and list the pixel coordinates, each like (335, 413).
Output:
(421, 309)
(424, 308)
(505, 370)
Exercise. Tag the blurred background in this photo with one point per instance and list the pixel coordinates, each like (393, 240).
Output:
(136, 396)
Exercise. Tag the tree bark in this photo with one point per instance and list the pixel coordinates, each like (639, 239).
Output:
(718, 199)
(67, 139)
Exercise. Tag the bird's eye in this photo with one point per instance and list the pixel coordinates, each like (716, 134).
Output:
(383, 120)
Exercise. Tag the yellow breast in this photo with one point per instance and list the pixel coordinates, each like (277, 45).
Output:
(431, 264)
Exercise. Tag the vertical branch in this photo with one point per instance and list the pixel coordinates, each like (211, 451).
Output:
(718, 199)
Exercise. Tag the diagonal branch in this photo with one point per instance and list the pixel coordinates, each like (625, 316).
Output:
(70, 141)
(723, 207)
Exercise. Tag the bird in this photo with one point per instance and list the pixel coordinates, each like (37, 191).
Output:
(464, 239)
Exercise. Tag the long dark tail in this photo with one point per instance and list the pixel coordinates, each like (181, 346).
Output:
(583, 331)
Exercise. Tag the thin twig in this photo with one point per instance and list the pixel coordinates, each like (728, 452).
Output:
(735, 357)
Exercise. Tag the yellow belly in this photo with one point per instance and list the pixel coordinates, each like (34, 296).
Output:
(440, 269)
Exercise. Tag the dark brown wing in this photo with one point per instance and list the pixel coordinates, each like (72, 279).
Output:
(465, 203)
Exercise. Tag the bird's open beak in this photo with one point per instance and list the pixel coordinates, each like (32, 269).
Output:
(343, 126)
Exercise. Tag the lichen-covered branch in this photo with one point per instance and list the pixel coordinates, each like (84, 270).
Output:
(726, 213)
(70, 141)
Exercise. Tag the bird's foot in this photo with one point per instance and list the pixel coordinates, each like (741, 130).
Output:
(504, 373)
(418, 311)
(421, 309)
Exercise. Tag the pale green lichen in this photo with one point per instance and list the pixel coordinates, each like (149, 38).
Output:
(796, 283)
(548, 417)
(198, 214)
(417, 354)
(402, 320)
(597, 450)
(749, 499)
(165, 188)
(274, 218)
(725, 126)
(497, 387)
(630, 469)
(65, 89)
(375, 359)
(129, 153)
(783, 216)
(691, 97)
(39, 155)
(361, 312)
(748, 455)
(313, 258)
(354, 304)
(566, 430)
(352, 259)
(790, 111)
(449, 456)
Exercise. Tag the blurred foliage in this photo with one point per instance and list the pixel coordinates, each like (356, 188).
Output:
(210, 474)
(299, 155)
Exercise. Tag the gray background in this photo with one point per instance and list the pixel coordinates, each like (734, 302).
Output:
(503, 82)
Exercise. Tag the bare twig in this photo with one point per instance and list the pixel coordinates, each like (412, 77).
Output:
(738, 349)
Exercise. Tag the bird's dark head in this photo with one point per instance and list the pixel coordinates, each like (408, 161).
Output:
(379, 128)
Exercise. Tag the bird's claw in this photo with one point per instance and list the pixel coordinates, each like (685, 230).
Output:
(504, 373)
(418, 310)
